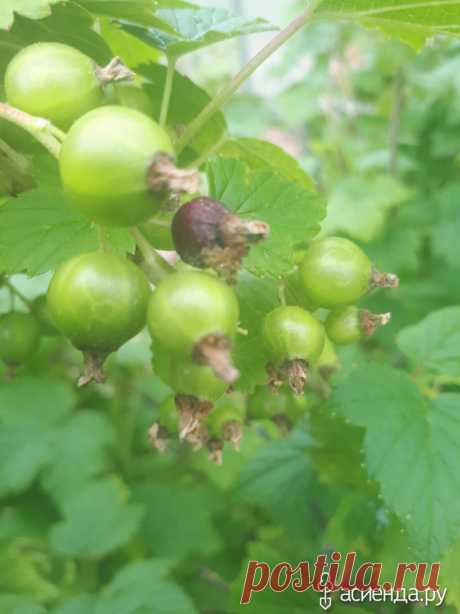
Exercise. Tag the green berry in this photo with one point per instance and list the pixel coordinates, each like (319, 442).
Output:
(53, 81)
(335, 272)
(189, 306)
(292, 333)
(349, 324)
(104, 165)
(99, 301)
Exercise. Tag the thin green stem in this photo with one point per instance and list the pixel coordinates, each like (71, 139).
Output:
(57, 132)
(155, 266)
(167, 91)
(41, 129)
(217, 103)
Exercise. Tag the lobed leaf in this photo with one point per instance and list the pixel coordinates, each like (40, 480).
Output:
(34, 9)
(293, 212)
(413, 22)
(69, 24)
(97, 521)
(263, 155)
(194, 28)
(433, 344)
(44, 230)
(411, 448)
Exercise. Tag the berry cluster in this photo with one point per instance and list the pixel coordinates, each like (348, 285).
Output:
(118, 168)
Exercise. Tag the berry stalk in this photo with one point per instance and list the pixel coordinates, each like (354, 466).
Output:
(41, 129)
(155, 266)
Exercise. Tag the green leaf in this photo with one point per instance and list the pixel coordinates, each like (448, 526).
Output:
(82, 604)
(44, 230)
(265, 156)
(34, 9)
(24, 451)
(29, 428)
(131, 50)
(257, 297)
(195, 536)
(16, 604)
(434, 343)
(26, 400)
(187, 100)
(69, 24)
(137, 11)
(412, 449)
(293, 213)
(446, 232)
(411, 21)
(359, 206)
(278, 478)
(97, 521)
(398, 250)
(79, 454)
(194, 28)
(143, 587)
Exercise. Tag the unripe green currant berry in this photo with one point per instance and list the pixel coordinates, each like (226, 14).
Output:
(264, 404)
(99, 301)
(53, 81)
(188, 378)
(328, 356)
(293, 333)
(349, 324)
(19, 337)
(225, 423)
(107, 180)
(195, 315)
(336, 272)
(295, 340)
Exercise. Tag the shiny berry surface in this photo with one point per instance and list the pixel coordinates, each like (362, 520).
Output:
(104, 163)
(335, 272)
(99, 301)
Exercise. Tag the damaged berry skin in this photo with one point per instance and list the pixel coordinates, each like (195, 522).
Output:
(53, 81)
(291, 333)
(19, 337)
(99, 301)
(196, 227)
(335, 272)
(106, 179)
(187, 307)
(208, 235)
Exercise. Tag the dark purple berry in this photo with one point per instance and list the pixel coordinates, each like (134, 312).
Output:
(207, 235)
